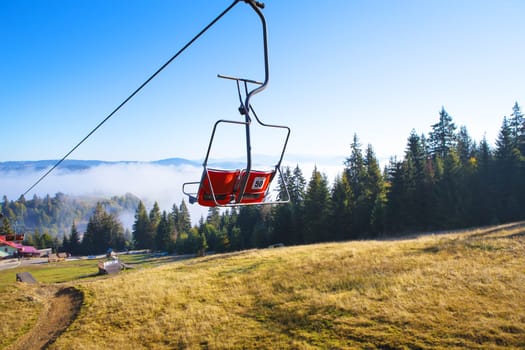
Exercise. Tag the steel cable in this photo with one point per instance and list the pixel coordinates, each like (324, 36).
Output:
(133, 94)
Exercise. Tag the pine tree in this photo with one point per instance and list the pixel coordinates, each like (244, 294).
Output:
(74, 240)
(213, 217)
(283, 182)
(104, 231)
(355, 167)
(184, 218)
(374, 193)
(483, 190)
(286, 218)
(164, 235)
(141, 228)
(37, 239)
(6, 229)
(46, 241)
(450, 208)
(66, 245)
(517, 126)
(340, 212)
(154, 220)
(464, 146)
(505, 143)
(508, 179)
(247, 220)
(316, 206)
(356, 172)
(397, 215)
(297, 186)
(442, 138)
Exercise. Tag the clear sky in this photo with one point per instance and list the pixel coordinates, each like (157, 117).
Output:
(377, 68)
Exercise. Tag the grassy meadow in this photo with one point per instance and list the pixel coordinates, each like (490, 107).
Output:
(455, 290)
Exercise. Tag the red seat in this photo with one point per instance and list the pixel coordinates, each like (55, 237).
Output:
(256, 186)
(222, 182)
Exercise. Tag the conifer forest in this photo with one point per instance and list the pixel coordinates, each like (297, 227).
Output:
(445, 180)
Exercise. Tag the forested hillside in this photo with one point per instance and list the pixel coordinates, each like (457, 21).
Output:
(55, 215)
(446, 180)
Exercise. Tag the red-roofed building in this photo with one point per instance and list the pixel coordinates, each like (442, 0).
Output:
(12, 248)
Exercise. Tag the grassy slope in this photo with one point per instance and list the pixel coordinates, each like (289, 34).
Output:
(458, 290)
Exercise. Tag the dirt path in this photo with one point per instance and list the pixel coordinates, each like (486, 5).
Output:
(61, 307)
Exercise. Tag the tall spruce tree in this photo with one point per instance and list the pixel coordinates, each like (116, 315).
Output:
(482, 185)
(154, 220)
(164, 235)
(287, 218)
(355, 172)
(374, 196)
(508, 175)
(340, 212)
(517, 126)
(6, 228)
(316, 206)
(184, 218)
(74, 240)
(442, 138)
(141, 227)
(465, 146)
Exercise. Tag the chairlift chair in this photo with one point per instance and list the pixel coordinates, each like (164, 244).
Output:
(248, 186)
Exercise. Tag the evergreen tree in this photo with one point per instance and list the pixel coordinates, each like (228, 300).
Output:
(233, 230)
(297, 186)
(74, 240)
(399, 190)
(450, 207)
(65, 246)
(465, 146)
(356, 172)
(164, 235)
(184, 219)
(283, 182)
(192, 242)
(517, 125)
(287, 218)
(141, 228)
(103, 231)
(46, 241)
(213, 217)
(508, 179)
(246, 221)
(37, 239)
(212, 235)
(442, 138)
(316, 206)
(355, 167)
(6, 229)
(420, 175)
(340, 212)
(374, 195)
(154, 220)
(505, 143)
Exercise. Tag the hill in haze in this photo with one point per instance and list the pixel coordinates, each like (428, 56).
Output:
(75, 164)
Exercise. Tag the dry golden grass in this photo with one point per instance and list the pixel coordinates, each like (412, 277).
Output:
(20, 311)
(459, 290)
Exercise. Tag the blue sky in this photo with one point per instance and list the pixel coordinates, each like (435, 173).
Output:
(377, 68)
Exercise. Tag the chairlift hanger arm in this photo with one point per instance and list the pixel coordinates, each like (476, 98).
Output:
(257, 6)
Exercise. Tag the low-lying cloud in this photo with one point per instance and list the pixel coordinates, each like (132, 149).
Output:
(150, 182)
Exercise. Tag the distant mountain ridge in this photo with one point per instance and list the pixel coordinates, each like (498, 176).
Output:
(77, 165)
